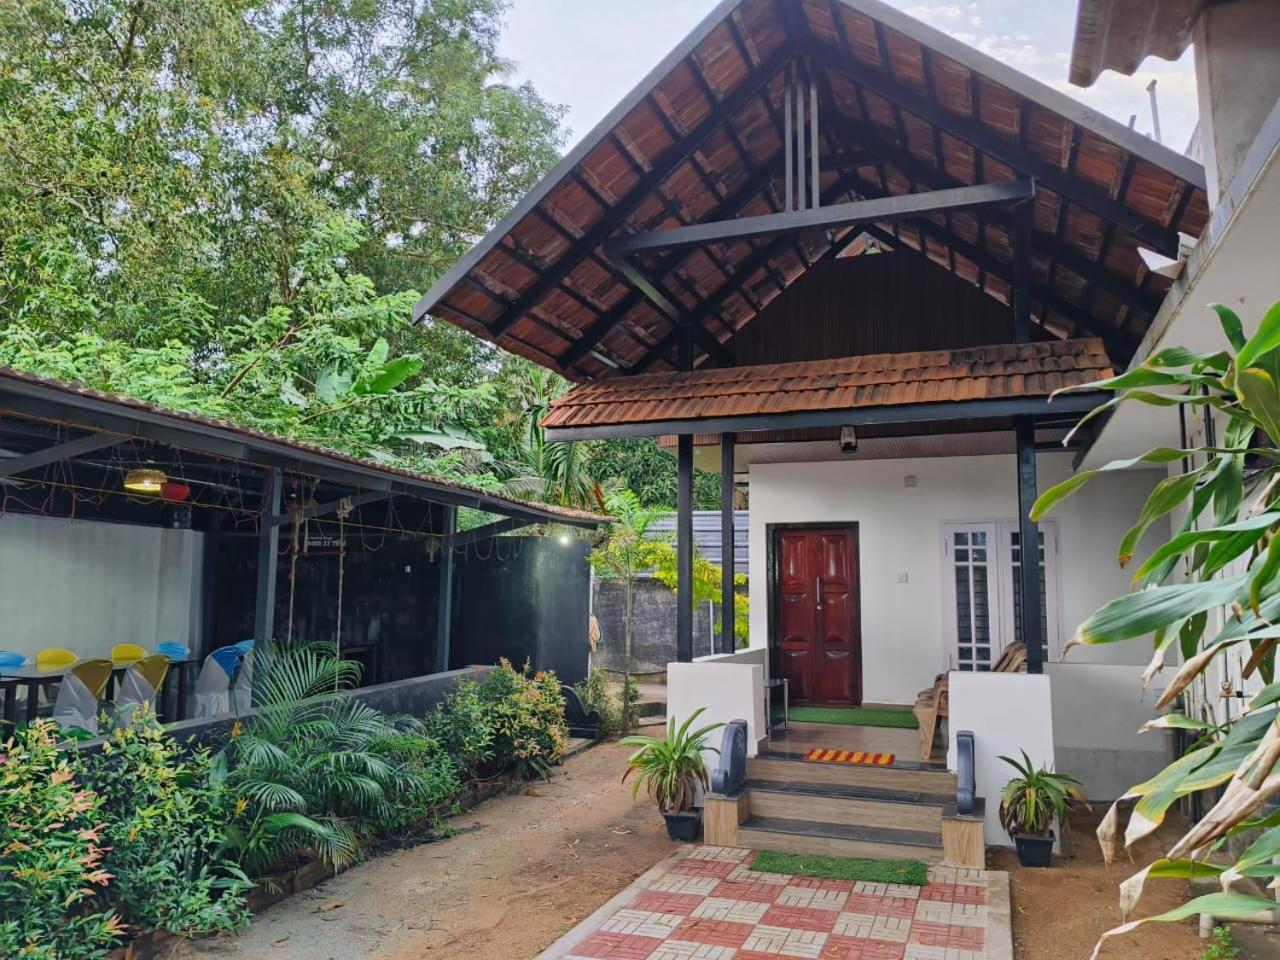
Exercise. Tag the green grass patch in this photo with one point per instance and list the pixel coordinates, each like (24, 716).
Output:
(911, 872)
(855, 717)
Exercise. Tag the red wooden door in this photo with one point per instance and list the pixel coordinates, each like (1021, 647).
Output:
(818, 647)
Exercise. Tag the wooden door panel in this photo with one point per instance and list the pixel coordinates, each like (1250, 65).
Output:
(817, 642)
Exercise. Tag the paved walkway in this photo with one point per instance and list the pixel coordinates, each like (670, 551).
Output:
(704, 903)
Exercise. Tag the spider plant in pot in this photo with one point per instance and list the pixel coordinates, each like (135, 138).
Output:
(673, 772)
(1032, 802)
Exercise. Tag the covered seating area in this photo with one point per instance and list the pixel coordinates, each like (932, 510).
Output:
(147, 552)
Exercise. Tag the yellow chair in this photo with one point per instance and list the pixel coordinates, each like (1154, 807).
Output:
(123, 654)
(153, 669)
(94, 674)
(55, 658)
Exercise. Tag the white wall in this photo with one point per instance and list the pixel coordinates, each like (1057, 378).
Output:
(729, 687)
(87, 586)
(1008, 713)
(899, 532)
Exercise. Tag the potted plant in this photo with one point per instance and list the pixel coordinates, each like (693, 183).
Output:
(1032, 801)
(672, 771)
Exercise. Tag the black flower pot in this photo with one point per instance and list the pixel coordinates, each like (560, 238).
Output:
(1034, 851)
(684, 826)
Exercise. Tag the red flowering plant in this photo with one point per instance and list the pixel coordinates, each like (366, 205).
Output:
(50, 854)
(525, 713)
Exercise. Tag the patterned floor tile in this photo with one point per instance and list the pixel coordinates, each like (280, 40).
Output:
(675, 883)
(706, 868)
(721, 933)
(818, 898)
(853, 924)
(743, 890)
(736, 911)
(616, 946)
(643, 923)
(784, 942)
(729, 854)
(681, 950)
(859, 948)
(801, 918)
(681, 904)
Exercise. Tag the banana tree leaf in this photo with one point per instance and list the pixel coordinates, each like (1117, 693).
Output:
(1174, 721)
(1131, 889)
(1231, 325)
(390, 375)
(1183, 542)
(1059, 492)
(332, 386)
(1168, 493)
(445, 441)
(1264, 340)
(1143, 612)
(1224, 906)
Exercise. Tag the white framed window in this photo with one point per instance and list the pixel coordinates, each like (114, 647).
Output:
(981, 592)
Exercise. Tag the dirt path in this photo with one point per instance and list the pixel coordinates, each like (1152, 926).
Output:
(521, 871)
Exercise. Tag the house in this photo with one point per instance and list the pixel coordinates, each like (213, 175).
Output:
(125, 522)
(845, 259)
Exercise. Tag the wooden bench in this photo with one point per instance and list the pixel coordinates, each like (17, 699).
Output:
(933, 703)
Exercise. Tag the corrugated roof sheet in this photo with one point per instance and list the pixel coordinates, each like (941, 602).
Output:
(707, 535)
(887, 379)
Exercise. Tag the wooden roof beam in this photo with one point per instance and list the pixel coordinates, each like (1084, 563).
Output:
(1158, 237)
(817, 218)
(614, 217)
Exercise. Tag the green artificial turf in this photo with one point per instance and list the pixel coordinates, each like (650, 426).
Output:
(911, 872)
(855, 716)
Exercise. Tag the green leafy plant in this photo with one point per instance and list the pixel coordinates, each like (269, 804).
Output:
(525, 712)
(597, 694)
(51, 854)
(1208, 590)
(311, 769)
(1034, 800)
(671, 770)
(164, 830)
(461, 726)
(1221, 946)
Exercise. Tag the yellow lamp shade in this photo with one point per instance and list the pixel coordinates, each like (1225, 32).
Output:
(145, 480)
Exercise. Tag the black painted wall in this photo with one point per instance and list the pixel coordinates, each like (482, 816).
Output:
(524, 598)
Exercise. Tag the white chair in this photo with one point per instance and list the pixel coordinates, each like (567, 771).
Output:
(242, 685)
(141, 683)
(76, 705)
(213, 687)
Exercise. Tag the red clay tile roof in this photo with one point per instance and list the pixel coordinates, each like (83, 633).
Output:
(887, 379)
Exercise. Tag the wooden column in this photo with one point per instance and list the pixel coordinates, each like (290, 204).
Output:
(1029, 544)
(727, 641)
(444, 606)
(264, 606)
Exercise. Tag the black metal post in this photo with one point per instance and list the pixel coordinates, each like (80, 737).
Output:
(1029, 545)
(444, 607)
(727, 641)
(684, 550)
(1021, 298)
(264, 607)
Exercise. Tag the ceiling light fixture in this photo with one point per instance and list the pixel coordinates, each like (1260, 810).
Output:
(145, 480)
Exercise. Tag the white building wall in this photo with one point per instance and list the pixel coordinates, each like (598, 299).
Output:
(899, 532)
(87, 586)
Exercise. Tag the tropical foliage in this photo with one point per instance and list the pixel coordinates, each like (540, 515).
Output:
(1209, 590)
(671, 770)
(1035, 799)
(51, 851)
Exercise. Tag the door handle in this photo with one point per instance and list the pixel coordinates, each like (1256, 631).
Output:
(817, 592)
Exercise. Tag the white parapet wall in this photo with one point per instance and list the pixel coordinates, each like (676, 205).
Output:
(1007, 713)
(1097, 710)
(728, 686)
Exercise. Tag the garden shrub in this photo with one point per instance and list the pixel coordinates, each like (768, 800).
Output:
(597, 695)
(461, 726)
(165, 830)
(51, 854)
(430, 780)
(526, 716)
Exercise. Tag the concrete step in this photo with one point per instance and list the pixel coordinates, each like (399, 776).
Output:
(840, 840)
(907, 776)
(650, 708)
(851, 806)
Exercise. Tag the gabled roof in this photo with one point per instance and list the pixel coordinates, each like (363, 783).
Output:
(892, 380)
(1120, 34)
(903, 109)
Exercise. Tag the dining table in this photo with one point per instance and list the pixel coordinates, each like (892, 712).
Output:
(33, 677)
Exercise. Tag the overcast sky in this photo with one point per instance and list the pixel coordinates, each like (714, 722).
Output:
(587, 54)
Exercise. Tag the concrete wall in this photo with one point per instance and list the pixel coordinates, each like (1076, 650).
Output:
(1008, 713)
(87, 586)
(899, 535)
(653, 640)
(1097, 710)
(729, 686)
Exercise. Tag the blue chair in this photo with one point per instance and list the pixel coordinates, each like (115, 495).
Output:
(10, 659)
(174, 651)
(213, 686)
(244, 646)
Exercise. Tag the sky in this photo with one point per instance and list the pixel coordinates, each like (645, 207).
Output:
(587, 54)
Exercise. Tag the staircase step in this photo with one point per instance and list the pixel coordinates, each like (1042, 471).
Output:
(854, 806)
(903, 776)
(650, 708)
(842, 840)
